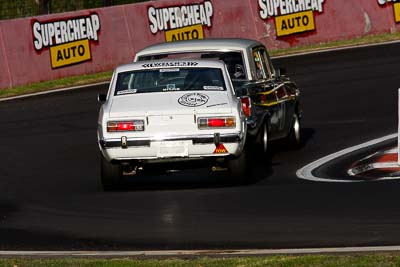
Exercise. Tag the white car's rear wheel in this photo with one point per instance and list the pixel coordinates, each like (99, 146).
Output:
(111, 175)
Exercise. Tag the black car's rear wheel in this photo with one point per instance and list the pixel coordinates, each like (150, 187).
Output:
(262, 139)
(294, 138)
(239, 169)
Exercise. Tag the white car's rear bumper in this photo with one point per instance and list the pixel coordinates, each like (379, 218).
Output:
(199, 146)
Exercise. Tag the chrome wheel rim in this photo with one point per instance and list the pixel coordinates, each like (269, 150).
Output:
(265, 138)
(296, 128)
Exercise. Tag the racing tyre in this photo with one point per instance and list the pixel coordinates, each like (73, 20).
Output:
(262, 139)
(294, 137)
(239, 169)
(111, 175)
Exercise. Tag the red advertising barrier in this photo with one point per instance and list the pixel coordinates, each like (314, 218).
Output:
(331, 20)
(5, 75)
(33, 55)
(89, 41)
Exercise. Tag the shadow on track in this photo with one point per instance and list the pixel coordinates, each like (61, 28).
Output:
(183, 176)
(202, 177)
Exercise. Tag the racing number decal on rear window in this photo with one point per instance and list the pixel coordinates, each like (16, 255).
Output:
(181, 22)
(193, 99)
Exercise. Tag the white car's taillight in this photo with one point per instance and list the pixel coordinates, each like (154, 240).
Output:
(246, 105)
(216, 122)
(125, 126)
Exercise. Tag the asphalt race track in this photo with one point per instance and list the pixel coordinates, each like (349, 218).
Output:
(51, 197)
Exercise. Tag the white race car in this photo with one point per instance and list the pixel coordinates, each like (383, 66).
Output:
(170, 112)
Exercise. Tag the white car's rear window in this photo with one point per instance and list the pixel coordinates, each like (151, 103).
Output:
(169, 80)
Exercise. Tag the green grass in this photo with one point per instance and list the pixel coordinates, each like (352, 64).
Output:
(276, 261)
(106, 76)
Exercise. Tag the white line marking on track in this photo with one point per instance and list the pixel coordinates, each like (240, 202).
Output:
(391, 151)
(372, 166)
(380, 153)
(307, 171)
(202, 253)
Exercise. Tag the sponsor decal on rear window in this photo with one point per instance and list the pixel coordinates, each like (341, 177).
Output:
(169, 70)
(170, 88)
(127, 91)
(193, 99)
(291, 17)
(170, 64)
(184, 22)
(219, 88)
(67, 39)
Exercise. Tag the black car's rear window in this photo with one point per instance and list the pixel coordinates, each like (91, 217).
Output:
(169, 80)
(233, 60)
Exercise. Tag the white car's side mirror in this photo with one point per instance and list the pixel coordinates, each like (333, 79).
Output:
(101, 98)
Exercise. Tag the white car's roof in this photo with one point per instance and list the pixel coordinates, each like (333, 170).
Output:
(172, 63)
(199, 45)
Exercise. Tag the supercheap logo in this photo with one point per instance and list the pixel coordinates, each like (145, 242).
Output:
(291, 16)
(68, 40)
(396, 7)
(183, 22)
